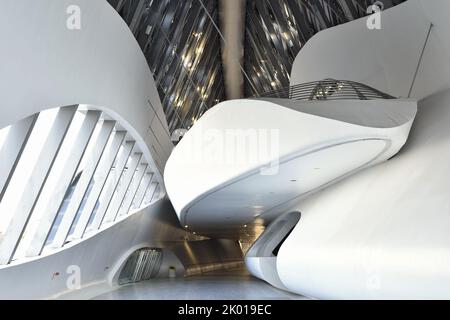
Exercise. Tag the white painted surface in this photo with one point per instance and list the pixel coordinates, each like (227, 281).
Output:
(137, 179)
(208, 191)
(47, 276)
(100, 65)
(265, 268)
(383, 233)
(98, 147)
(12, 148)
(121, 190)
(64, 178)
(261, 259)
(385, 59)
(150, 193)
(100, 177)
(111, 184)
(19, 207)
(59, 70)
(139, 198)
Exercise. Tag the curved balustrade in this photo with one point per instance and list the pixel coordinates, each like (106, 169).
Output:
(245, 158)
(328, 89)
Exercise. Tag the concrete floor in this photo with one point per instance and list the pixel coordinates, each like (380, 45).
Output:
(231, 285)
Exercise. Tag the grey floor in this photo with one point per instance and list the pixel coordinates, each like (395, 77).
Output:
(230, 285)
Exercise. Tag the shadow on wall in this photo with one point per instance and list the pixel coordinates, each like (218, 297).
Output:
(261, 259)
(270, 242)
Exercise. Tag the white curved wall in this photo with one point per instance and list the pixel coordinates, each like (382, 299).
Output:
(261, 259)
(385, 59)
(101, 255)
(214, 176)
(48, 65)
(382, 233)
(48, 276)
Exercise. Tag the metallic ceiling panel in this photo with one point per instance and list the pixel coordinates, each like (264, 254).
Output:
(182, 47)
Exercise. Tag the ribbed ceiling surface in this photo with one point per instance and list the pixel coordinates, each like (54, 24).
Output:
(182, 48)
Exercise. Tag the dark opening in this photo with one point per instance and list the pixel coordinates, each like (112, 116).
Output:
(277, 248)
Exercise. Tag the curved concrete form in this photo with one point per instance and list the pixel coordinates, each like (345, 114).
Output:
(59, 70)
(72, 60)
(247, 157)
(261, 259)
(381, 233)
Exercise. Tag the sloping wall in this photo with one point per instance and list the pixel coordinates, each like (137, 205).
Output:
(48, 65)
(382, 233)
(385, 59)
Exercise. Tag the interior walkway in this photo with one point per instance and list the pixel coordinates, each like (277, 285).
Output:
(231, 285)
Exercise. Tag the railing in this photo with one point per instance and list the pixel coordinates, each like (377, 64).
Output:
(328, 89)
